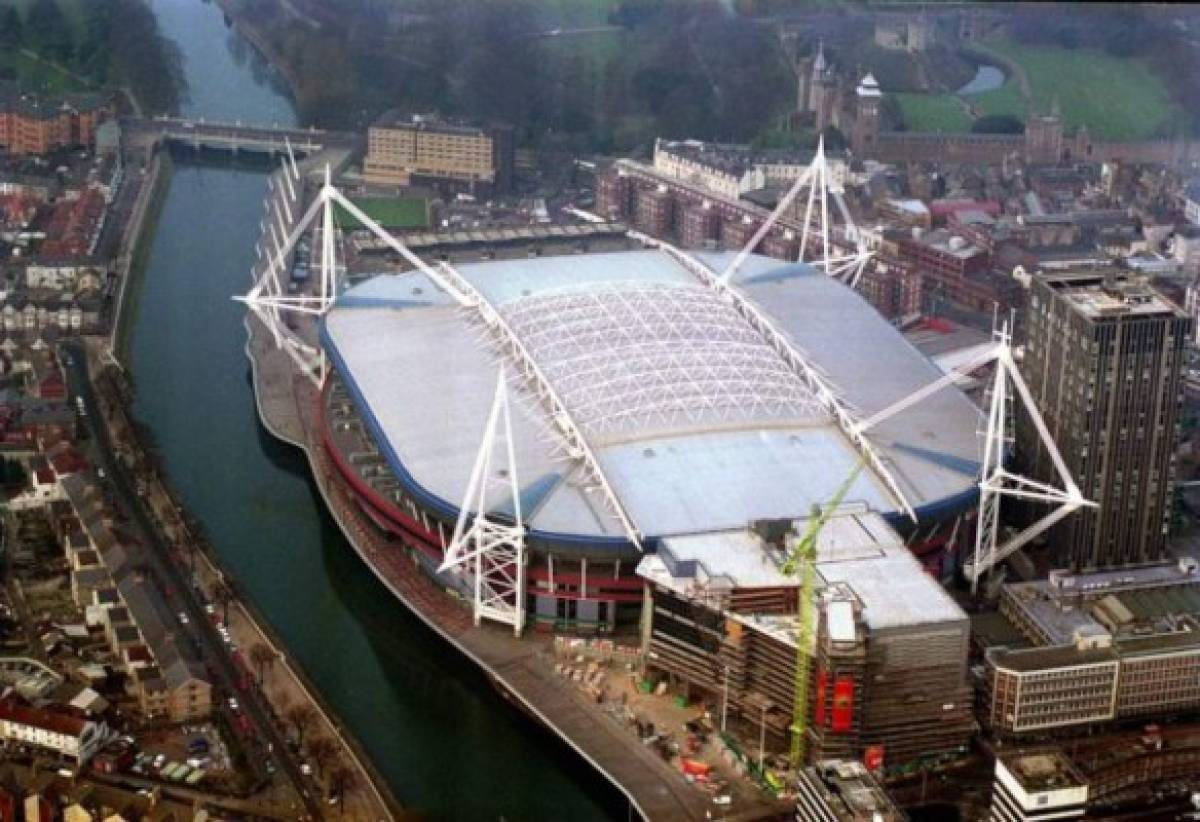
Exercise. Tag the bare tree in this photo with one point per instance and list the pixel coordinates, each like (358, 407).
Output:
(263, 658)
(342, 780)
(223, 596)
(322, 749)
(301, 717)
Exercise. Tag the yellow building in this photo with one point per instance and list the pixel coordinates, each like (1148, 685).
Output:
(407, 148)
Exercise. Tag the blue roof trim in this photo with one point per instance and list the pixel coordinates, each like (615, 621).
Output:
(432, 501)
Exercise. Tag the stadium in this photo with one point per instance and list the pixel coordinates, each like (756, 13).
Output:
(691, 418)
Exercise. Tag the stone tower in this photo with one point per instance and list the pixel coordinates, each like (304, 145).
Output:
(1044, 137)
(818, 85)
(867, 98)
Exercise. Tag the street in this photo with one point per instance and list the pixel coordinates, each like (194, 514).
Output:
(171, 577)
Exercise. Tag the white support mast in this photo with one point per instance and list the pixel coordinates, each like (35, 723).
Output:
(996, 482)
(267, 299)
(834, 255)
(493, 549)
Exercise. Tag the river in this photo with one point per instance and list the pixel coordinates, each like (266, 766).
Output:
(987, 78)
(445, 741)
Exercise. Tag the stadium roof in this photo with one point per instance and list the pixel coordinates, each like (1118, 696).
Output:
(697, 423)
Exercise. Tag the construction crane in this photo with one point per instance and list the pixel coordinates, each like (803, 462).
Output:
(803, 559)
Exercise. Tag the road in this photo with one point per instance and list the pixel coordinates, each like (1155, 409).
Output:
(169, 574)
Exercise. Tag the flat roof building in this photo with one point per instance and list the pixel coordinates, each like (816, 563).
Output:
(407, 149)
(890, 650)
(1037, 785)
(843, 791)
(1105, 646)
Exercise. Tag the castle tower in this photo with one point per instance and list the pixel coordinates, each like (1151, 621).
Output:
(867, 98)
(1044, 137)
(817, 83)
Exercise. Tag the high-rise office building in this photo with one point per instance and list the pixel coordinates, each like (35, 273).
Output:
(1103, 358)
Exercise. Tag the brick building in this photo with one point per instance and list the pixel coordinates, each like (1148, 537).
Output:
(33, 125)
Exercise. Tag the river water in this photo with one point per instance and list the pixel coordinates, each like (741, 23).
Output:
(447, 744)
(986, 78)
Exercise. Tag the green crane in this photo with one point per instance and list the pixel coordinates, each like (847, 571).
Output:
(803, 558)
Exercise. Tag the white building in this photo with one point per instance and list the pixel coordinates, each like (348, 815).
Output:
(1037, 786)
(64, 734)
(732, 171)
(54, 277)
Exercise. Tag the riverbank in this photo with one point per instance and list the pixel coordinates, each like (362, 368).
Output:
(135, 241)
(284, 683)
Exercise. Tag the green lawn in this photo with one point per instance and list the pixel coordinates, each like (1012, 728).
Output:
(933, 112)
(34, 75)
(389, 212)
(1004, 100)
(1117, 98)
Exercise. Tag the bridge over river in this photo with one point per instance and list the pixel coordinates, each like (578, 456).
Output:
(237, 136)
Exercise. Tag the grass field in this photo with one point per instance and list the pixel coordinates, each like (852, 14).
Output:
(933, 112)
(1004, 100)
(1117, 98)
(34, 75)
(389, 212)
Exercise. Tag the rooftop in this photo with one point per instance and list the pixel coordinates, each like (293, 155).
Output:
(428, 122)
(1110, 294)
(856, 549)
(1042, 770)
(682, 400)
(1147, 599)
(849, 792)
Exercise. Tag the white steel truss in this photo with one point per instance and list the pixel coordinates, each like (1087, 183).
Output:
(996, 482)
(832, 257)
(630, 356)
(267, 299)
(812, 376)
(495, 550)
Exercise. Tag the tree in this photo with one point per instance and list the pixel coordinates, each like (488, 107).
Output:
(49, 31)
(342, 780)
(262, 658)
(322, 749)
(301, 717)
(92, 56)
(998, 124)
(223, 596)
(12, 32)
